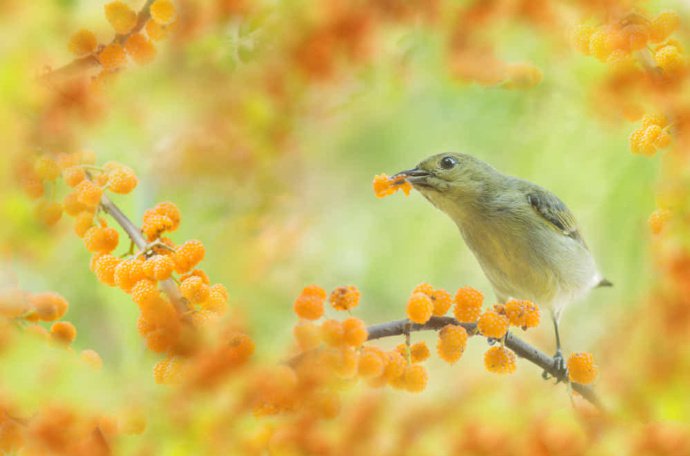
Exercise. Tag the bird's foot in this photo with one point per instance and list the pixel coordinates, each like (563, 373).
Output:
(560, 371)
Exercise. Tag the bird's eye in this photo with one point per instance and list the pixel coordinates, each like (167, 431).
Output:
(448, 162)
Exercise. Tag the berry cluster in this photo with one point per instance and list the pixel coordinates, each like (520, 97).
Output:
(31, 310)
(134, 38)
(654, 134)
(633, 32)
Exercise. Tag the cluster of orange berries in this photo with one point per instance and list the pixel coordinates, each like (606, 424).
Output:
(130, 40)
(30, 310)
(635, 32)
(385, 185)
(340, 343)
(654, 134)
(426, 302)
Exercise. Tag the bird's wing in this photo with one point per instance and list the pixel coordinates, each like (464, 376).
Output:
(555, 212)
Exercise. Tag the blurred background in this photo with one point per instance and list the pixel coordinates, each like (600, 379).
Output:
(267, 140)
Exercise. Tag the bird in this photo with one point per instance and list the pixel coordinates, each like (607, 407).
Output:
(526, 240)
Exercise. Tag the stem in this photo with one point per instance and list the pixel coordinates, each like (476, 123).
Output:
(520, 347)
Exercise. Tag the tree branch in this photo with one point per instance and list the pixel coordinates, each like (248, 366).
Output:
(520, 347)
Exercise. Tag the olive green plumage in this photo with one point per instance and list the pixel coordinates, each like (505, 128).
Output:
(525, 239)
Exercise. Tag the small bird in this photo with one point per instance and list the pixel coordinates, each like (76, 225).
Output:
(524, 237)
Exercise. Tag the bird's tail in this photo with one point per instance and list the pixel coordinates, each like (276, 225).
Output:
(604, 283)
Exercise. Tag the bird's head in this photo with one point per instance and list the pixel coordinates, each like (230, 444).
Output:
(452, 178)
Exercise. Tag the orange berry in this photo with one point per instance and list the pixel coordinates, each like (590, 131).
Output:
(492, 324)
(309, 304)
(72, 206)
(155, 225)
(163, 12)
(101, 239)
(73, 175)
(120, 16)
(395, 366)
(355, 332)
(48, 212)
(524, 314)
(384, 185)
(168, 371)
(663, 26)
(424, 288)
(88, 193)
(468, 305)
(188, 255)
(122, 180)
(159, 267)
(415, 378)
(92, 358)
(669, 59)
(654, 119)
(419, 352)
(112, 57)
(333, 333)
(581, 368)
(600, 44)
(171, 211)
(452, 340)
(419, 308)
(32, 186)
(371, 362)
(442, 302)
(144, 292)
(82, 43)
(499, 360)
(346, 362)
(82, 223)
(128, 273)
(155, 31)
(104, 268)
(217, 299)
(140, 49)
(581, 38)
(658, 219)
(195, 290)
(48, 306)
(63, 332)
(307, 335)
(160, 325)
(345, 298)
(196, 273)
(46, 168)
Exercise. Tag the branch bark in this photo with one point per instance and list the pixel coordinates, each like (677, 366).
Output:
(519, 346)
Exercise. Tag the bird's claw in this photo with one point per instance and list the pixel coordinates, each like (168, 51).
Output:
(560, 372)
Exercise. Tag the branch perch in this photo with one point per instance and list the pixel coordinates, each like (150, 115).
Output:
(519, 346)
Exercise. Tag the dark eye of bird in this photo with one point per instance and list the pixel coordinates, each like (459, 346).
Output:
(448, 162)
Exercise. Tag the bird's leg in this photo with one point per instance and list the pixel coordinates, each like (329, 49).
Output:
(559, 361)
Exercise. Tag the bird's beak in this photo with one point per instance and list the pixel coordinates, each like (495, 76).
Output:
(414, 176)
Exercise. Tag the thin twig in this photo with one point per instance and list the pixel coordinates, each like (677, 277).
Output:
(520, 347)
